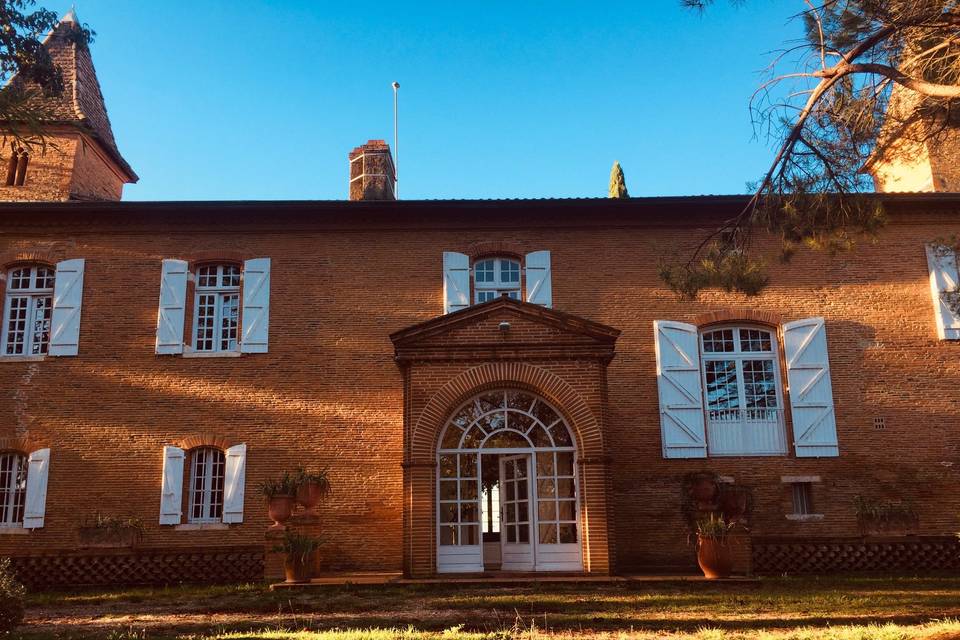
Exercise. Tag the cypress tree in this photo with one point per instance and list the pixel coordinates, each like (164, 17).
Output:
(618, 184)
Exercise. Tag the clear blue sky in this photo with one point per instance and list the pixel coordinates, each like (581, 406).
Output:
(238, 99)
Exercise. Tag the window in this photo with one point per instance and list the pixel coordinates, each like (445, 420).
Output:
(217, 317)
(742, 392)
(17, 167)
(13, 489)
(207, 474)
(29, 306)
(802, 500)
(494, 277)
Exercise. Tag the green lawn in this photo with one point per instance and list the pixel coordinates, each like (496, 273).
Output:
(779, 609)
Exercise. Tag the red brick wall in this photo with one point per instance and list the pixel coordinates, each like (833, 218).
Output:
(330, 394)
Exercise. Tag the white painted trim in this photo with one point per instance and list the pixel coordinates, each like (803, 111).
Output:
(190, 352)
(201, 526)
(14, 531)
(22, 358)
(805, 517)
(795, 479)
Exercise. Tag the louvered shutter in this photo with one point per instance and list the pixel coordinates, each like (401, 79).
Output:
(256, 305)
(539, 289)
(456, 281)
(811, 392)
(942, 263)
(67, 301)
(170, 315)
(233, 485)
(171, 491)
(35, 507)
(681, 398)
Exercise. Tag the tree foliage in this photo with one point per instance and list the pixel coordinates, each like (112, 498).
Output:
(27, 71)
(618, 183)
(869, 77)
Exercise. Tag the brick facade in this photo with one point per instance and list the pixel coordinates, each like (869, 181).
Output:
(330, 393)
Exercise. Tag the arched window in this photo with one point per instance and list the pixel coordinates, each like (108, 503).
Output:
(494, 277)
(742, 387)
(29, 306)
(217, 302)
(207, 474)
(13, 488)
(17, 167)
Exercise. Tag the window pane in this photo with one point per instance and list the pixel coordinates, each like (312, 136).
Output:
(13, 484)
(564, 463)
(40, 331)
(566, 488)
(719, 341)
(568, 533)
(448, 490)
(17, 324)
(754, 340)
(722, 390)
(448, 535)
(548, 534)
(547, 510)
(567, 510)
(545, 464)
(470, 535)
(483, 271)
(509, 271)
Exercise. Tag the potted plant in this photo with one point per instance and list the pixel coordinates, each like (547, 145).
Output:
(280, 495)
(311, 487)
(299, 550)
(713, 549)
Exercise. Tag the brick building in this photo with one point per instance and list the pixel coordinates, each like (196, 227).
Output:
(493, 385)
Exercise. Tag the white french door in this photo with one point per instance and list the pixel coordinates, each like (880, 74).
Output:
(515, 514)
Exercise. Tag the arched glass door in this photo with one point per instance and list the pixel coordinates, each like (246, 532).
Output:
(510, 452)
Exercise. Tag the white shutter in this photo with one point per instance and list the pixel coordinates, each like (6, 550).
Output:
(38, 469)
(811, 393)
(942, 263)
(171, 492)
(456, 281)
(539, 289)
(67, 300)
(233, 485)
(678, 381)
(256, 305)
(173, 293)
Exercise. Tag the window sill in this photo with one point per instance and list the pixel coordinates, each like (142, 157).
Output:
(22, 358)
(206, 526)
(211, 354)
(14, 531)
(805, 517)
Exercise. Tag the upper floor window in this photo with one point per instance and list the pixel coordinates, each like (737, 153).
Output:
(217, 318)
(494, 277)
(17, 167)
(207, 475)
(742, 392)
(13, 488)
(28, 311)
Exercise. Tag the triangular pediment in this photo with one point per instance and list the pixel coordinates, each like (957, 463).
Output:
(505, 324)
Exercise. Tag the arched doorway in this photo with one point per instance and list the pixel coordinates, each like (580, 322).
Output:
(507, 487)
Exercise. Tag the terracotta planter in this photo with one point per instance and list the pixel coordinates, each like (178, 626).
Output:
(280, 508)
(309, 495)
(297, 569)
(714, 557)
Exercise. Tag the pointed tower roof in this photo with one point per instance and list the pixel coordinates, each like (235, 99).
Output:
(81, 103)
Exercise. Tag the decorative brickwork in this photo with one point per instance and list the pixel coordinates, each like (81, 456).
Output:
(830, 555)
(768, 318)
(205, 440)
(144, 567)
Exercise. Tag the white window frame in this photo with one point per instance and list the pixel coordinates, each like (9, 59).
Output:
(211, 511)
(498, 286)
(717, 438)
(13, 499)
(33, 295)
(220, 292)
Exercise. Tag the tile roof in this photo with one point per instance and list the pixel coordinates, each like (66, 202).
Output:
(81, 102)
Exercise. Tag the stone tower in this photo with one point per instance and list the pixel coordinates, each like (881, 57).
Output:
(80, 160)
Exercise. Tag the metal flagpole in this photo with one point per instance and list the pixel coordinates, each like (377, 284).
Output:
(396, 144)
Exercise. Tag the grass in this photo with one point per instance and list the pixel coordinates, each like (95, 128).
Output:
(846, 608)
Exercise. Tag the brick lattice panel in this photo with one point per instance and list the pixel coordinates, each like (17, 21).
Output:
(792, 555)
(146, 567)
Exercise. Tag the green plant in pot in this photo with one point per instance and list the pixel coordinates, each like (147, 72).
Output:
(713, 547)
(312, 487)
(280, 495)
(299, 550)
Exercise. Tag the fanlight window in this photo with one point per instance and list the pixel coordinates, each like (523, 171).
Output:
(494, 277)
(506, 420)
(743, 394)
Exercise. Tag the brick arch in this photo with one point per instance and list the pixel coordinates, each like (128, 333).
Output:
(204, 440)
(20, 445)
(581, 420)
(11, 259)
(768, 318)
(223, 257)
(495, 248)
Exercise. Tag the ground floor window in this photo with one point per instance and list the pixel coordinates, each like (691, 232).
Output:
(207, 474)
(13, 488)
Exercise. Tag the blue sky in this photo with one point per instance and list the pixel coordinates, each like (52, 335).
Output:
(263, 100)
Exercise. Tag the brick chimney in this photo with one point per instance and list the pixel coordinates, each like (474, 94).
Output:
(372, 175)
